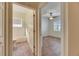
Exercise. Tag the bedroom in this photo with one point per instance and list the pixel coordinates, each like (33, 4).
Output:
(51, 29)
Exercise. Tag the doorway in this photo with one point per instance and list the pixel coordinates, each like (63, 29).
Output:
(22, 33)
(52, 41)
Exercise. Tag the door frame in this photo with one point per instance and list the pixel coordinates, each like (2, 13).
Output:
(25, 6)
(65, 27)
(64, 20)
(7, 28)
(64, 38)
(8, 8)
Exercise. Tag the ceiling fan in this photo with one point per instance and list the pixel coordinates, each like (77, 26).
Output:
(51, 16)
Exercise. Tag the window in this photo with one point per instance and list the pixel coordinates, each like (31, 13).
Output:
(17, 22)
(57, 26)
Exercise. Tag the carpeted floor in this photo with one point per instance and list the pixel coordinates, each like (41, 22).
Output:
(51, 46)
(21, 49)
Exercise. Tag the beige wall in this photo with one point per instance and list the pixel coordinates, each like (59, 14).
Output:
(73, 29)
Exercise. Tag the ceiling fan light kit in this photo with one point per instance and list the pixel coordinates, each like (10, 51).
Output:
(51, 18)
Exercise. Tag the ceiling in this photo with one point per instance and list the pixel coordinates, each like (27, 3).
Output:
(50, 6)
(33, 5)
(20, 9)
(53, 7)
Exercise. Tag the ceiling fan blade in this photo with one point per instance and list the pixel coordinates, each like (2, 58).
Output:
(55, 16)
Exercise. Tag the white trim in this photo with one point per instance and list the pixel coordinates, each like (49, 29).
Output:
(64, 38)
(62, 29)
(66, 29)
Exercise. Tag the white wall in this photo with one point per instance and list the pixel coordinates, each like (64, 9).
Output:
(29, 25)
(51, 27)
(27, 22)
(48, 27)
(44, 26)
(19, 32)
